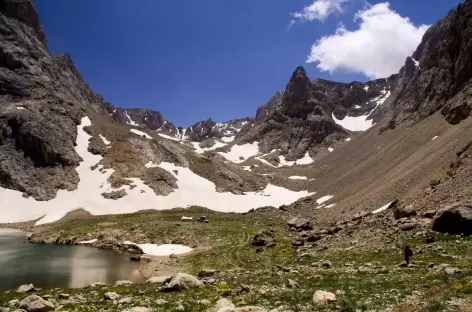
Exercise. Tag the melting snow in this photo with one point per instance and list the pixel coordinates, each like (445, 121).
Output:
(104, 139)
(383, 208)
(330, 149)
(417, 64)
(366, 88)
(89, 241)
(228, 139)
(150, 164)
(324, 199)
(245, 151)
(199, 150)
(348, 139)
(434, 138)
(247, 168)
(192, 190)
(140, 133)
(305, 160)
(297, 178)
(168, 137)
(130, 121)
(20, 107)
(330, 206)
(161, 250)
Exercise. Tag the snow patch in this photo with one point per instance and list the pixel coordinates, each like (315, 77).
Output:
(104, 139)
(366, 88)
(140, 133)
(434, 138)
(323, 199)
(383, 208)
(247, 168)
(297, 178)
(330, 206)
(20, 107)
(228, 139)
(330, 149)
(199, 150)
(244, 151)
(161, 250)
(417, 63)
(130, 121)
(305, 160)
(348, 139)
(89, 241)
(150, 164)
(168, 137)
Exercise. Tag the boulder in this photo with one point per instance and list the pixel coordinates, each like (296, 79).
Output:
(264, 238)
(206, 273)
(35, 303)
(300, 224)
(181, 281)
(112, 295)
(454, 219)
(401, 212)
(25, 288)
(140, 309)
(321, 297)
(159, 279)
(123, 283)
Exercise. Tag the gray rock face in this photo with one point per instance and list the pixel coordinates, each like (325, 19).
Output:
(454, 219)
(300, 224)
(440, 80)
(25, 288)
(35, 303)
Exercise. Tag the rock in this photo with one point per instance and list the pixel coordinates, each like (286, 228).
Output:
(454, 219)
(263, 238)
(180, 308)
(300, 224)
(160, 302)
(64, 296)
(204, 302)
(428, 214)
(135, 258)
(123, 283)
(181, 281)
(452, 271)
(111, 295)
(35, 303)
(291, 283)
(325, 264)
(114, 195)
(321, 297)
(298, 242)
(206, 273)
(2, 309)
(25, 288)
(245, 288)
(13, 303)
(98, 284)
(126, 300)
(158, 279)
(140, 309)
(146, 258)
(404, 212)
(409, 226)
(223, 305)
(360, 215)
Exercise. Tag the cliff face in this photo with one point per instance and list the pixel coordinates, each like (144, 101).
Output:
(438, 75)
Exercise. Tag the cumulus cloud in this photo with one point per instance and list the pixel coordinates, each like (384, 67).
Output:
(318, 10)
(378, 47)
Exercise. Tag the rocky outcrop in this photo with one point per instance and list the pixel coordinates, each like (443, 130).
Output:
(454, 219)
(438, 75)
(181, 281)
(264, 238)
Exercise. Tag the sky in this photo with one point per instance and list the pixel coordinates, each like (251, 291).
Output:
(192, 60)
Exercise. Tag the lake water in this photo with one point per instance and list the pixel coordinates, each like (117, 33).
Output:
(59, 266)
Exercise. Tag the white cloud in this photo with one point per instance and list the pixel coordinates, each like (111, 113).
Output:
(318, 10)
(378, 48)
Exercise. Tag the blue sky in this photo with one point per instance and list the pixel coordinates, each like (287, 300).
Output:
(192, 59)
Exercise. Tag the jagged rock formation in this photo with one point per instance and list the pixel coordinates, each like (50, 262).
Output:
(300, 119)
(438, 75)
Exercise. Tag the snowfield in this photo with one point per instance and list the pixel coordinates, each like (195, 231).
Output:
(140, 133)
(161, 250)
(240, 153)
(193, 190)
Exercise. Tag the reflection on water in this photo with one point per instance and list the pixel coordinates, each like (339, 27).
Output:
(59, 266)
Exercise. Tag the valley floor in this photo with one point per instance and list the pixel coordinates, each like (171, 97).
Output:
(358, 263)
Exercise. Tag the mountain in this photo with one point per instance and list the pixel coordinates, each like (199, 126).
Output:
(60, 142)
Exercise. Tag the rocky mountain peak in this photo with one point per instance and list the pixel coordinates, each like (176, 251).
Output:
(296, 98)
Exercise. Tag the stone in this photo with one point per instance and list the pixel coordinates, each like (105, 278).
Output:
(180, 308)
(13, 303)
(35, 303)
(245, 288)
(409, 226)
(204, 302)
(206, 273)
(321, 297)
(140, 309)
(125, 300)
(160, 302)
(454, 219)
(123, 283)
(97, 284)
(291, 283)
(159, 279)
(263, 238)
(64, 296)
(400, 212)
(452, 271)
(25, 288)
(111, 296)
(300, 224)
(325, 264)
(181, 281)
(223, 305)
